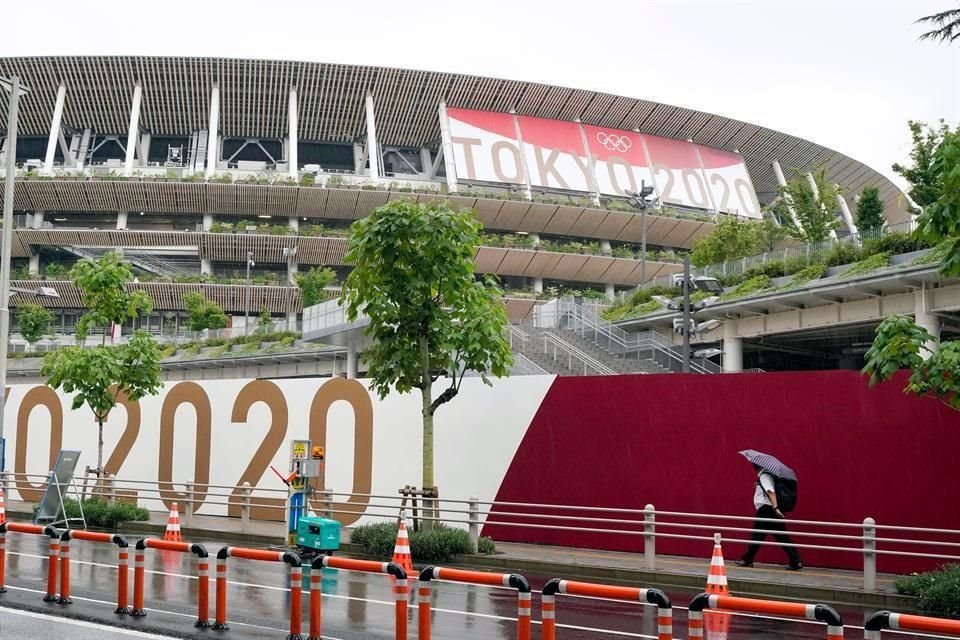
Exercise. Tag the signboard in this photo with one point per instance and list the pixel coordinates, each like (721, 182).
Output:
(57, 485)
(554, 154)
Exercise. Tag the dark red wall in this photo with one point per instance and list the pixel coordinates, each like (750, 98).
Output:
(672, 440)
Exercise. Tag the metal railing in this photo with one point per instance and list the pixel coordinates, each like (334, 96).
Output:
(866, 539)
(145, 261)
(557, 348)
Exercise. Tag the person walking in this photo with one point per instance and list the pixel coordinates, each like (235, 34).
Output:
(769, 521)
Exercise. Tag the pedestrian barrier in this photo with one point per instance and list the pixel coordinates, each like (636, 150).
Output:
(261, 555)
(820, 612)
(591, 590)
(513, 580)
(123, 564)
(903, 622)
(53, 553)
(203, 575)
(401, 591)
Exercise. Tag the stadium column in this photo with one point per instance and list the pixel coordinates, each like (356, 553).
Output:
(926, 320)
(292, 160)
(373, 147)
(845, 210)
(782, 181)
(538, 285)
(610, 290)
(37, 220)
(213, 146)
(34, 266)
(447, 149)
(732, 348)
(816, 194)
(55, 130)
(133, 131)
(121, 220)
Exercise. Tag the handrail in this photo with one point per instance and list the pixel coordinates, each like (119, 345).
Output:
(574, 352)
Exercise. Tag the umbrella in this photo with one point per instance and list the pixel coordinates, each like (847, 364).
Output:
(769, 463)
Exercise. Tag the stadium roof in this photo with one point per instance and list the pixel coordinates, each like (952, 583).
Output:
(254, 94)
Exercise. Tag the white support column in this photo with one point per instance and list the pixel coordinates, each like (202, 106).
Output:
(207, 221)
(538, 285)
(213, 148)
(926, 320)
(55, 130)
(292, 161)
(351, 363)
(426, 163)
(121, 220)
(447, 142)
(732, 348)
(610, 290)
(206, 268)
(37, 219)
(373, 147)
(845, 210)
(133, 138)
(605, 248)
(35, 264)
(294, 223)
(782, 181)
(535, 240)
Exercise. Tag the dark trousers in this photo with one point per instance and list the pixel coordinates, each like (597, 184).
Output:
(779, 531)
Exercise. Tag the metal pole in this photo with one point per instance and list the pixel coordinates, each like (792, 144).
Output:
(643, 247)
(246, 297)
(12, 112)
(686, 313)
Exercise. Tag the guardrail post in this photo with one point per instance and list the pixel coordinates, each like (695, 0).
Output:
(111, 488)
(188, 511)
(649, 537)
(245, 507)
(52, 562)
(869, 554)
(328, 503)
(474, 518)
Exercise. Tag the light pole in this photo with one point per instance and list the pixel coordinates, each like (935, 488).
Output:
(246, 295)
(686, 313)
(12, 85)
(290, 253)
(638, 199)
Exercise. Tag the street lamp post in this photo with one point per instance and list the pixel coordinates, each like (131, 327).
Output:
(686, 313)
(13, 87)
(246, 295)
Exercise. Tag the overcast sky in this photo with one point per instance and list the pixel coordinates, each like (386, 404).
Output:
(845, 74)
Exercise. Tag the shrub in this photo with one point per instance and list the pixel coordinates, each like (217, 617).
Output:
(646, 308)
(867, 265)
(747, 287)
(101, 515)
(894, 243)
(842, 253)
(937, 592)
(440, 544)
(376, 540)
(486, 546)
(805, 275)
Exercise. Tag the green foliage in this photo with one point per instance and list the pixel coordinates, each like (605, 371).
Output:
(941, 217)
(202, 313)
(922, 175)
(414, 278)
(312, 284)
(748, 287)
(55, 270)
(651, 306)
(868, 265)
(896, 243)
(732, 238)
(937, 592)
(376, 540)
(264, 321)
(812, 217)
(870, 210)
(770, 234)
(440, 544)
(104, 293)
(843, 253)
(101, 515)
(946, 26)
(34, 321)
(805, 275)
(486, 546)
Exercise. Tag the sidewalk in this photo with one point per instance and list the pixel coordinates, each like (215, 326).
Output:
(832, 586)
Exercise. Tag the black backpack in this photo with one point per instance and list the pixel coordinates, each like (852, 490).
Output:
(786, 490)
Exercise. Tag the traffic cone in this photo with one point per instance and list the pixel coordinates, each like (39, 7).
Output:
(173, 525)
(401, 552)
(717, 623)
(3, 510)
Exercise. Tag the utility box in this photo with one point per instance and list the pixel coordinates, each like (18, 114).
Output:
(318, 534)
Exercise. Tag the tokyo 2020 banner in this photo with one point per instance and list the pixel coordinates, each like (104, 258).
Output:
(508, 149)
(607, 441)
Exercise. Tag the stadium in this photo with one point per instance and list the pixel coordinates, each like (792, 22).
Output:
(229, 176)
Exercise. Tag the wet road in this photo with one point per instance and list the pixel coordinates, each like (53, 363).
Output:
(354, 605)
(17, 625)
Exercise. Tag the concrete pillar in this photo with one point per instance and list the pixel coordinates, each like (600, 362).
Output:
(213, 149)
(121, 220)
(605, 248)
(782, 181)
(292, 270)
(926, 320)
(351, 363)
(373, 147)
(847, 216)
(538, 285)
(133, 130)
(535, 239)
(54, 130)
(426, 163)
(447, 142)
(292, 162)
(610, 290)
(206, 268)
(732, 348)
(291, 321)
(38, 219)
(207, 221)
(294, 223)
(35, 264)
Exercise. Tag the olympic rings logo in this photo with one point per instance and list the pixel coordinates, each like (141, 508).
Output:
(613, 142)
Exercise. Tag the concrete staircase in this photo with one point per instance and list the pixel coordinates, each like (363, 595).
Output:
(563, 352)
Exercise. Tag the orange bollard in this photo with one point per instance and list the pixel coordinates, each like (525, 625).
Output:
(3, 557)
(401, 591)
(203, 592)
(423, 610)
(548, 617)
(296, 601)
(523, 615)
(220, 623)
(123, 579)
(64, 572)
(316, 579)
(52, 557)
(138, 611)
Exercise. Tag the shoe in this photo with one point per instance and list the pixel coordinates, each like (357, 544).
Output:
(795, 567)
(744, 564)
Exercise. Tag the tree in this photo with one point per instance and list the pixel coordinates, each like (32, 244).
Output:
(203, 313)
(34, 321)
(902, 344)
(808, 213)
(769, 234)
(264, 321)
(312, 284)
(946, 26)
(922, 177)
(870, 210)
(732, 238)
(430, 316)
(98, 376)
